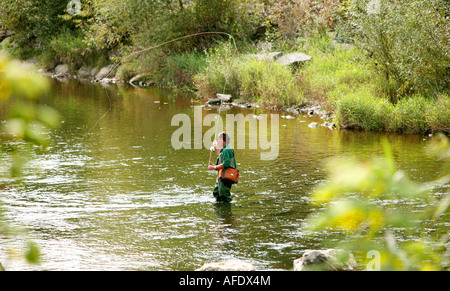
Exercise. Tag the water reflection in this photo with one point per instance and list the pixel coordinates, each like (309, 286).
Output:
(118, 196)
(227, 228)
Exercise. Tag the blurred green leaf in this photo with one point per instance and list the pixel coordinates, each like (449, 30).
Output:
(48, 116)
(15, 128)
(373, 203)
(32, 253)
(23, 82)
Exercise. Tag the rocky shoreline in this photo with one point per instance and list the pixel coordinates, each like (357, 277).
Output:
(102, 76)
(305, 110)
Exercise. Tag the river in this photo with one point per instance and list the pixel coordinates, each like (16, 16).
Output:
(112, 193)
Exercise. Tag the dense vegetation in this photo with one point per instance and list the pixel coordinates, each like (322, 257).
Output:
(395, 75)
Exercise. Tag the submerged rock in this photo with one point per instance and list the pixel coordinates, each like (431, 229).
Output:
(313, 125)
(229, 265)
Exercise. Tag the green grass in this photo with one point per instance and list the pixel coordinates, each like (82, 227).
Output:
(360, 97)
(262, 81)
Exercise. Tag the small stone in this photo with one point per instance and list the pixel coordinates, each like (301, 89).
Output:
(313, 125)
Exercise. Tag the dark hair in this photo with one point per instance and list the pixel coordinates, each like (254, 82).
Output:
(224, 136)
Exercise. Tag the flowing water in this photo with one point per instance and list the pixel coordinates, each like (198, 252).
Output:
(111, 192)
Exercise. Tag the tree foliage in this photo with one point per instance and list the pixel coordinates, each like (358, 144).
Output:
(409, 41)
(33, 22)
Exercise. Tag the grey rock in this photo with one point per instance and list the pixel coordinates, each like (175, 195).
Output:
(293, 59)
(84, 72)
(135, 79)
(104, 72)
(313, 125)
(267, 56)
(61, 69)
(224, 97)
(328, 260)
(93, 71)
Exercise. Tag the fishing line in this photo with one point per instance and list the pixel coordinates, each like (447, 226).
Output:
(162, 44)
(106, 113)
(170, 41)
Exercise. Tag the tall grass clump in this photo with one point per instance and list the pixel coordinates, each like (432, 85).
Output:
(178, 70)
(361, 109)
(422, 115)
(415, 114)
(248, 77)
(336, 68)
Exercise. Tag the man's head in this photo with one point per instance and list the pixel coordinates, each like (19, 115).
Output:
(223, 138)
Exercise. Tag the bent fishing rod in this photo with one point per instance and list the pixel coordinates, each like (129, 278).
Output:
(174, 40)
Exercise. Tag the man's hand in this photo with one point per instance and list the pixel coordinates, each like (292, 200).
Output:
(210, 167)
(215, 146)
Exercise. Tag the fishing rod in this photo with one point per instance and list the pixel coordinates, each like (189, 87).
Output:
(170, 41)
(221, 101)
(174, 40)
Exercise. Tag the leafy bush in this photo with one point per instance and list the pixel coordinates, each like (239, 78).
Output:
(374, 207)
(301, 18)
(409, 41)
(68, 48)
(33, 23)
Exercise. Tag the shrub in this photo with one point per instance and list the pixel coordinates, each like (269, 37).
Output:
(179, 70)
(408, 41)
(68, 48)
(33, 23)
(300, 18)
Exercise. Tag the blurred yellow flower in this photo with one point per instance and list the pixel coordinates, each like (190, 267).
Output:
(350, 220)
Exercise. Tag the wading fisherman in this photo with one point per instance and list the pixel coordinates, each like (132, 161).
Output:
(225, 160)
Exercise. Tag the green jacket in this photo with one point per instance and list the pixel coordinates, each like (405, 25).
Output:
(226, 157)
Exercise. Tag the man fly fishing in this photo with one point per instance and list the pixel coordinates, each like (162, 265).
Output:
(226, 165)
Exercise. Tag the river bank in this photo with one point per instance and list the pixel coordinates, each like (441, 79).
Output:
(108, 75)
(335, 83)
